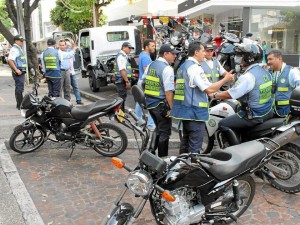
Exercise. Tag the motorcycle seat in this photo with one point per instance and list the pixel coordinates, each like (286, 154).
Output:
(234, 160)
(83, 112)
(274, 122)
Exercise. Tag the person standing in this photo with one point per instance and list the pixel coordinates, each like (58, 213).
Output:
(253, 89)
(123, 72)
(17, 63)
(159, 92)
(264, 47)
(211, 66)
(191, 100)
(74, 82)
(144, 61)
(285, 79)
(65, 68)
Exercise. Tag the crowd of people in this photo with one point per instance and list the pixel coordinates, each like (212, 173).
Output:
(263, 92)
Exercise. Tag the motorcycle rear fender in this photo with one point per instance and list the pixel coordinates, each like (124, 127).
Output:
(121, 214)
(288, 126)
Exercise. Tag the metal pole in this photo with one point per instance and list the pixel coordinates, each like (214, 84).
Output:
(21, 30)
(94, 16)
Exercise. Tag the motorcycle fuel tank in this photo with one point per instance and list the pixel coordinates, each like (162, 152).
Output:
(61, 107)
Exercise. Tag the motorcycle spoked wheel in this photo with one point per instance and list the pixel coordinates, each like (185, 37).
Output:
(208, 142)
(291, 182)
(113, 141)
(27, 139)
(247, 192)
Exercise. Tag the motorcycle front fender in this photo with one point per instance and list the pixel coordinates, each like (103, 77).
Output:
(120, 215)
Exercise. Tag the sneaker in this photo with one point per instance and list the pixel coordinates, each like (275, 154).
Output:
(80, 103)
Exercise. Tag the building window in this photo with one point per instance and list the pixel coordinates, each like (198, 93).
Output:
(117, 36)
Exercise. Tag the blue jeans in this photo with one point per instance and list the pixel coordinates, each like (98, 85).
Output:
(139, 113)
(75, 87)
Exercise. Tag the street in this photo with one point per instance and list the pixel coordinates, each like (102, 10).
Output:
(80, 191)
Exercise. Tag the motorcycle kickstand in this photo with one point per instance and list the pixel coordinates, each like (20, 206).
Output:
(73, 148)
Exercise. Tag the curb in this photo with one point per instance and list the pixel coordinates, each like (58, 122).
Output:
(29, 212)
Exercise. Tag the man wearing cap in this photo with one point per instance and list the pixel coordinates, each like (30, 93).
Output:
(211, 66)
(159, 88)
(51, 59)
(17, 62)
(123, 71)
(190, 99)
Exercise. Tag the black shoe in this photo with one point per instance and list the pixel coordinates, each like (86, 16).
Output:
(80, 103)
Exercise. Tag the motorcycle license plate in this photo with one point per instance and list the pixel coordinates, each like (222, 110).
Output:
(120, 115)
(164, 19)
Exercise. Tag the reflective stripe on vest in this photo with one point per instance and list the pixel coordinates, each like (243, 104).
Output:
(152, 85)
(179, 90)
(20, 60)
(213, 74)
(264, 92)
(50, 62)
(284, 102)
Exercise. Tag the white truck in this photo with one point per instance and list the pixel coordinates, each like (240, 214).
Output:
(98, 48)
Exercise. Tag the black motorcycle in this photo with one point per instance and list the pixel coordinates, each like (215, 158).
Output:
(56, 119)
(196, 188)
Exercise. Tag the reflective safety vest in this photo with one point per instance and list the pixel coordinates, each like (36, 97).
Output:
(259, 99)
(20, 60)
(189, 103)
(117, 74)
(51, 59)
(283, 92)
(154, 88)
(213, 75)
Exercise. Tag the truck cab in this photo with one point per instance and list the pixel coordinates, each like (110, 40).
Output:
(98, 48)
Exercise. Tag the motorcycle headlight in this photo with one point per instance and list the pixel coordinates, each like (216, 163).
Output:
(139, 183)
(23, 112)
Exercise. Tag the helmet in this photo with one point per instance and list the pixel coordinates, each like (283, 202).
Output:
(251, 53)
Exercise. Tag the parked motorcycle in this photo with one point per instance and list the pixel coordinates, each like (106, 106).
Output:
(196, 188)
(79, 125)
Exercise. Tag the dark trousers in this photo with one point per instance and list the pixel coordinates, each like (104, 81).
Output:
(192, 138)
(122, 91)
(19, 88)
(163, 130)
(54, 85)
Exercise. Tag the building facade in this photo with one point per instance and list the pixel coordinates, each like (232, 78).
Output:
(273, 21)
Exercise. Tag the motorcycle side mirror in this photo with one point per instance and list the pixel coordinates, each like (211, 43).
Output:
(161, 22)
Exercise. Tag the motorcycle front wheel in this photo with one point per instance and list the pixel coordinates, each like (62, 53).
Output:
(208, 142)
(27, 139)
(288, 159)
(113, 141)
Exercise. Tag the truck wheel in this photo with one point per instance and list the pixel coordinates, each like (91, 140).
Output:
(93, 81)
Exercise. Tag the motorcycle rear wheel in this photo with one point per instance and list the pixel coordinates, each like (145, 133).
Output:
(289, 184)
(26, 139)
(208, 142)
(113, 141)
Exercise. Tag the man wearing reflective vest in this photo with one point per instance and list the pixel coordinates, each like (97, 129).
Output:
(211, 66)
(17, 63)
(253, 89)
(123, 71)
(285, 80)
(190, 99)
(159, 91)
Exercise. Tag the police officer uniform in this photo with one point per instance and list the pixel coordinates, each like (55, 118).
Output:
(284, 82)
(17, 55)
(51, 66)
(191, 104)
(253, 90)
(159, 78)
(122, 63)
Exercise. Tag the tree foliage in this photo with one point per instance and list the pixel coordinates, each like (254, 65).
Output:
(77, 14)
(291, 18)
(10, 20)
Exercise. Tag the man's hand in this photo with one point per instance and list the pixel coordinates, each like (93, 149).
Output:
(229, 77)
(18, 72)
(128, 85)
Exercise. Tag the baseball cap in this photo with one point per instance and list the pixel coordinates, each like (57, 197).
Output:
(209, 46)
(127, 44)
(19, 38)
(168, 48)
(51, 41)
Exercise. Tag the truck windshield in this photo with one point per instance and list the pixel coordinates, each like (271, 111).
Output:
(117, 36)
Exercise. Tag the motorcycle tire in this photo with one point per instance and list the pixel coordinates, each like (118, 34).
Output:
(27, 139)
(289, 184)
(244, 184)
(208, 142)
(111, 136)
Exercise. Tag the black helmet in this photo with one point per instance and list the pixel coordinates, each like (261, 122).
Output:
(251, 52)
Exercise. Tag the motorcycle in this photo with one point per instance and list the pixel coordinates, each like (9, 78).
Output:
(196, 188)
(79, 125)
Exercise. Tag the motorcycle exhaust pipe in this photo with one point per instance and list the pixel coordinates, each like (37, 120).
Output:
(287, 136)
